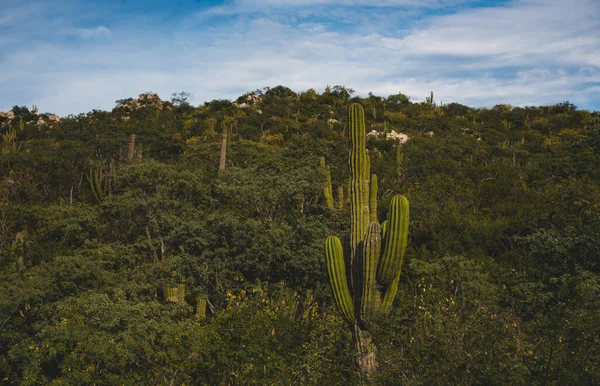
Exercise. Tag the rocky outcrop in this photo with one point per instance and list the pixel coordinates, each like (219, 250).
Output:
(10, 115)
(247, 101)
(400, 137)
(151, 100)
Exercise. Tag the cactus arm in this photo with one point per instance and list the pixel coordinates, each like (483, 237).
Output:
(395, 240)
(368, 297)
(340, 195)
(327, 189)
(336, 269)
(390, 293)
(91, 177)
(98, 182)
(399, 158)
(373, 199)
(328, 197)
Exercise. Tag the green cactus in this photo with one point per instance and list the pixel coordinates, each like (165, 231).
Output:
(9, 137)
(176, 294)
(399, 158)
(429, 100)
(340, 195)
(336, 269)
(102, 183)
(201, 302)
(375, 251)
(327, 189)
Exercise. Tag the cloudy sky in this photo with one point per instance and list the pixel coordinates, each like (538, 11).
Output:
(72, 56)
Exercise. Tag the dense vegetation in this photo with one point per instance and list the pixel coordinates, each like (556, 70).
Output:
(113, 247)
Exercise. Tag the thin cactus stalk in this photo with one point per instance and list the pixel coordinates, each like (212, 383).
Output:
(327, 189)
(399, 158)
(200, 307)
(374, 254)
(131, 149)
(181, 292)
(328, 197)
(340, 195)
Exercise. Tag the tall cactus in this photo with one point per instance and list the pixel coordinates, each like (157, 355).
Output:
(376, 251)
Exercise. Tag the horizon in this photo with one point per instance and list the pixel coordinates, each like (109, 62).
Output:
(73, 56)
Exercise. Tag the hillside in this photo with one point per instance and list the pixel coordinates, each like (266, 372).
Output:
(135, 250)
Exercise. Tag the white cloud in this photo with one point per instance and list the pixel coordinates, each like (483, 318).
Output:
(12, 13)
(569, 30)
(525, 53)
(259, 4)
(91, 33)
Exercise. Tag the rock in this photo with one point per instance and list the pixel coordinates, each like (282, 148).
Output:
(10, 115)
(400, 137)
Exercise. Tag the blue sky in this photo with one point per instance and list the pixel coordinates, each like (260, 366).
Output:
(72, 56)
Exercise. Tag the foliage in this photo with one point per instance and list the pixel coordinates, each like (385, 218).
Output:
(500, 283)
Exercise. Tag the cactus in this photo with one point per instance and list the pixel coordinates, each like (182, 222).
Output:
(336, 268)
(327, 189)
(176, 294)
(375, 251)
(201, 307)
(340, 195)
(399, 158)
(131, 149)
(429, 99)
(102, 184)
(9, 139)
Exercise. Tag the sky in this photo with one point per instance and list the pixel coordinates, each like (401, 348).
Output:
(73, 56)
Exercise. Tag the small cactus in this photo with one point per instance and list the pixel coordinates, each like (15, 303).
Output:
(327, 189)
(102, 184)
(201, 302)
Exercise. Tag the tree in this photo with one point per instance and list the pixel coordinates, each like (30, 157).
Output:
(181, 99)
